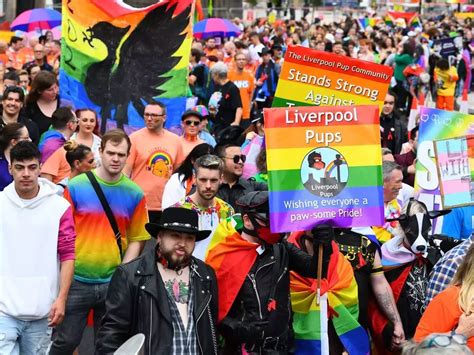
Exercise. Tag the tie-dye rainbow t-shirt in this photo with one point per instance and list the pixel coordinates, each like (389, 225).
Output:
(97, 253)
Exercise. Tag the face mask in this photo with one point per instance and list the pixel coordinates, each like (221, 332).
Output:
(417, 228)
(262, 232)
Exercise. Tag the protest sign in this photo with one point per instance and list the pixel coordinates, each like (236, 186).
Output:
(117, 58)
(313, 78)
(324, 166)
(448, 47)
(455, 163)
(436, 125)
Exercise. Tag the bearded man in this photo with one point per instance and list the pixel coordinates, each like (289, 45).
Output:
(166, 293)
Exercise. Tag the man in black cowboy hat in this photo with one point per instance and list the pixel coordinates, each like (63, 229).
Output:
(166, 294)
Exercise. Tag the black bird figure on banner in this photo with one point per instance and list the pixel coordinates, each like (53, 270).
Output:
(133, 72)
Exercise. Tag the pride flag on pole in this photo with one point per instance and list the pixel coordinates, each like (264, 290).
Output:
(339, 301)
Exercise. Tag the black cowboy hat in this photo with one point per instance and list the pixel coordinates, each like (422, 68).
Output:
(180, 220)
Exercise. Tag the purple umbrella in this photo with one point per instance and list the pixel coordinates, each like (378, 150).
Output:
(31, 20)
(215, 27)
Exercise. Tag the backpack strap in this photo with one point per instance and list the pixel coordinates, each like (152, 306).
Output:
(107, 210)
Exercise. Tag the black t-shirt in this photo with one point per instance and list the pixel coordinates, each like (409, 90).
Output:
(34, 113)
(228, 104)
(388, 135)
(198, 72)
(411, 303)
(355, 247)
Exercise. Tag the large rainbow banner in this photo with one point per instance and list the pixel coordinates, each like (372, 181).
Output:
(313, 78)
(324, 166)
(436, 125)
(117, 58)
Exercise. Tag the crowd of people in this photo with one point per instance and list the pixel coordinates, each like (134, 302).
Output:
(78, 209)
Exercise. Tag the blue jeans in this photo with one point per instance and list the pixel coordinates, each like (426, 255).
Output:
(81, 299)
(24, 337)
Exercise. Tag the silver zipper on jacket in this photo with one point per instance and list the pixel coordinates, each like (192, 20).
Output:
(213, 332)
(151, 325)
(252, 278)
(283, 273)
(254, 284)
(197, 320)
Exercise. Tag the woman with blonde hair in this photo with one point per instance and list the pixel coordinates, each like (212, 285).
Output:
(452, 310)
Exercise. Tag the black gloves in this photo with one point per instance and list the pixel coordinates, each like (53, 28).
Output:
(243, 332)
(323, 235)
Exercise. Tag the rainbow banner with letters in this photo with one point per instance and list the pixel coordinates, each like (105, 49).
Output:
(324, 166)
(436, 125)
(312, 78)
(116, 58)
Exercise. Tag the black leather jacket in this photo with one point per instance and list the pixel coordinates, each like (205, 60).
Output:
(251, 303)
(239, 189)
(137, 303)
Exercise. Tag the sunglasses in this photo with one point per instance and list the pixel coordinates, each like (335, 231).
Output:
(236, 158)
(191, 123)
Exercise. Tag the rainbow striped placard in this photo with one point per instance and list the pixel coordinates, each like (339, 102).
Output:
(324, 166)
(312, 78)
(455, 165)
(436, 125)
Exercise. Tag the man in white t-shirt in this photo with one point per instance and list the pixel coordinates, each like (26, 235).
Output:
(255, 47)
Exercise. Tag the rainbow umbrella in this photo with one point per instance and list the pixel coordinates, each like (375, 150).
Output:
(215, 27)
(36, 19)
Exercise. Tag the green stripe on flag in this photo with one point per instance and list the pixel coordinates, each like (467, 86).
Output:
(307, 325)
(360, 176)
(346, 316)
(282, 102)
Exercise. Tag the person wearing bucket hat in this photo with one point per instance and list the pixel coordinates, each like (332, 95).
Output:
(252, 269)
(171, 293)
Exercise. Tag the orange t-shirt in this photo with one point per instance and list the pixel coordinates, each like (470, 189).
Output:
(153, 159)
(441, 315)
(5, 59)
(246, 84)
(57, 166)
(189, 145)
(25, 55)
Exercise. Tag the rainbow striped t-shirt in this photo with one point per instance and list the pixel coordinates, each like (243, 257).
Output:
(97, 253)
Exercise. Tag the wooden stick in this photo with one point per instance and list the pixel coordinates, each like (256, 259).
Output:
(320, 271)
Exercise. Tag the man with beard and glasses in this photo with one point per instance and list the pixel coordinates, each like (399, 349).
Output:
(166, 294)
(208, 171)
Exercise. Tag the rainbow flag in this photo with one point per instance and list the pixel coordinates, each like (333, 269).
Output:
(403, 19)
(368, 21)
(231, 257)
(312, 78)
(339, 290)
(322, 169)
(117, 58)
